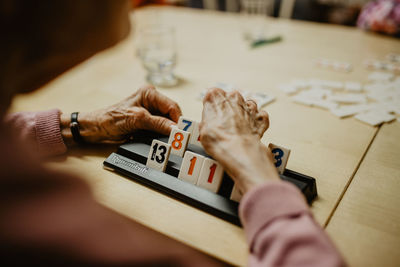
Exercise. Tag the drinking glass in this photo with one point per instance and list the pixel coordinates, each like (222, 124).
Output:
(157, 50)
(253, 18)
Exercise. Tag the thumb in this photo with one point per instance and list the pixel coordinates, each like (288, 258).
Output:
(159, 124)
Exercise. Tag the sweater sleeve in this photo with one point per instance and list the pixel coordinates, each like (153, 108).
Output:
(41, 129)
(281, 231)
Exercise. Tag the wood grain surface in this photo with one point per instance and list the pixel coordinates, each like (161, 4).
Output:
(211, 49)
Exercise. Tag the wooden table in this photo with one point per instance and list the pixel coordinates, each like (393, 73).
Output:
(366, 225)
(358, 205)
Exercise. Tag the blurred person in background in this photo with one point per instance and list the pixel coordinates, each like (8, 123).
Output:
(381, 16)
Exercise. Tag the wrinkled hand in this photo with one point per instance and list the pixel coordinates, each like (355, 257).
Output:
(230, 131)
(146, 109)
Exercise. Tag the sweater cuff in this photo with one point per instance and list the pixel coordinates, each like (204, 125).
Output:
(267, 202)
(48, 133)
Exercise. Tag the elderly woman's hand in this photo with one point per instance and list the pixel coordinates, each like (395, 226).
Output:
(146, 109)
(230, 132)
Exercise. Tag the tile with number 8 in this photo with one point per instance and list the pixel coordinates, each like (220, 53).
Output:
(210, 175)
(178, 139)
(191, 166)
(280, 155)
(158, 155)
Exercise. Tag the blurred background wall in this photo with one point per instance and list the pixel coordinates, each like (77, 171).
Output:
(343, 12)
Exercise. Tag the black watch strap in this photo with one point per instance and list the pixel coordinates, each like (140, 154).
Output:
(75, 128)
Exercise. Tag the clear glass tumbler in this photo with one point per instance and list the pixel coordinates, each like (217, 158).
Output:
(253, 18)
(157, 50)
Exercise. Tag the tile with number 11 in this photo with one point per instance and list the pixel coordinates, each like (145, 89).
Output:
(210, 176)
(191, 166)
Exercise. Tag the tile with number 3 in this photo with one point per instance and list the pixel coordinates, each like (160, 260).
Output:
(178, 139)
(236, 195)
(280, 155)
(191, 166)
(210, 175)
(158, 155)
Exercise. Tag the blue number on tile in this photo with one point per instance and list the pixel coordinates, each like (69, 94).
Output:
(278, 156)
(188, 124)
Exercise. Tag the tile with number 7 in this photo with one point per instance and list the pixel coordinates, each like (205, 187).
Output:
(191, 166)
(186, 124)
(178, 139)
(280, 156)
(158, 155)
(210, 175)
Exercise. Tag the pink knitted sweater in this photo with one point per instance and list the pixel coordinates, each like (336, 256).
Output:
(279, 226)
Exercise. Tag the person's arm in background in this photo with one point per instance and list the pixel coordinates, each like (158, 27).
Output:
(49, 131)
(381, 16)
(279, 226)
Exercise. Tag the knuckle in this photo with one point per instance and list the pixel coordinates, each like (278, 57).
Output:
(208, 97)
(140, 114)
(216, 90)
(264, 116)
(160, 124)
(251, 101)
(236, 95)
(251, 104)
(141, 90)
(212, 92)
(174, 106)
(232, 94)
(145, 90)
